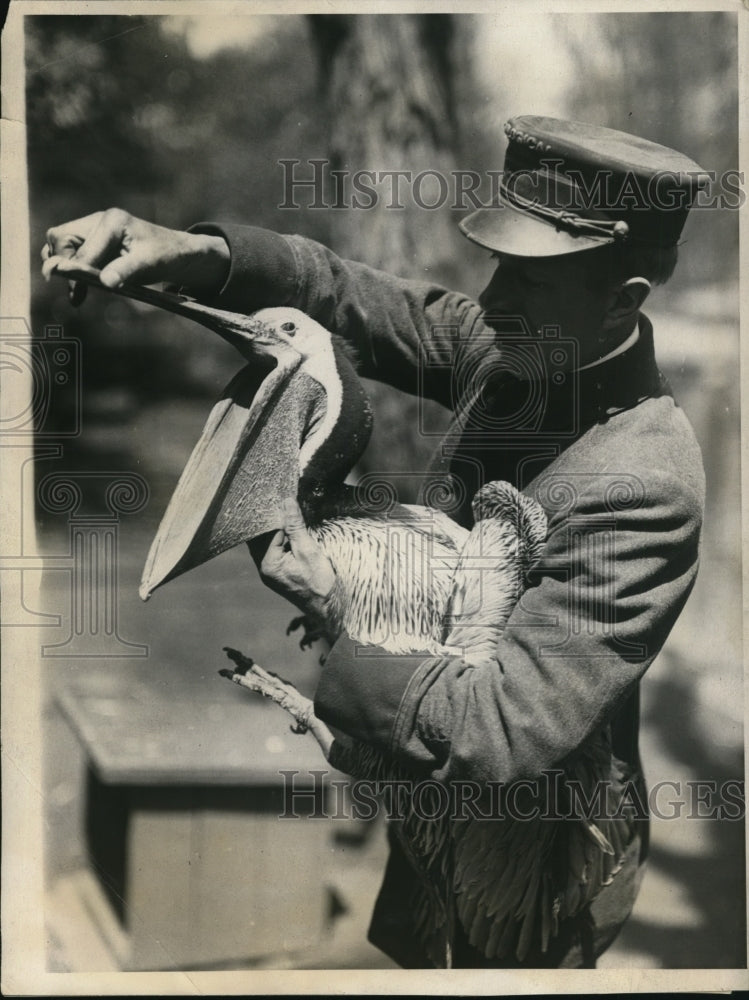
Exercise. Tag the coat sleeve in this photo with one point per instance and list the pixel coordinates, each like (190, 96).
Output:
(405, 333)
(609, 589)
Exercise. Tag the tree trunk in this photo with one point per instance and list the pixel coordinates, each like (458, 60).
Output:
(388, 82)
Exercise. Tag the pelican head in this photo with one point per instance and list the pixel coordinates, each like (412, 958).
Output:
(296, 413)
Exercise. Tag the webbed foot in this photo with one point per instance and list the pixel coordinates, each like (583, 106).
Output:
(252, 676)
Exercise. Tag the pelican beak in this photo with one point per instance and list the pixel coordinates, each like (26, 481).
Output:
(247, 459)
(245, 463)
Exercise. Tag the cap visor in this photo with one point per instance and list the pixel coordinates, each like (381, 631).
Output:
(507, 230)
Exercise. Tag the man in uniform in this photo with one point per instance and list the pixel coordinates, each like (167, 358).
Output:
(554, 385)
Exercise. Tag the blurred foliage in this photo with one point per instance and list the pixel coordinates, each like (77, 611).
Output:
(672, 78)
(76, 106)
(147, 119)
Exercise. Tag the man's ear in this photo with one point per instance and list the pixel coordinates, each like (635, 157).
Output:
(626, 302)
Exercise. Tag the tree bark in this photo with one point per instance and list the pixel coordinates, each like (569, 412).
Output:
(388, 85)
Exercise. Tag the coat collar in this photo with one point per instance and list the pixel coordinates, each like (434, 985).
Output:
(594, 393)
(622, 381)
(495, 434)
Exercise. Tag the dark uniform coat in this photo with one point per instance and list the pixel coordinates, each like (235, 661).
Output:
(613, 461)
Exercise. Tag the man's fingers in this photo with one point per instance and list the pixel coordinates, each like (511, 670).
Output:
(64, 240)
(96, 239)
(127, 249)
(105, 240)
(76, 289)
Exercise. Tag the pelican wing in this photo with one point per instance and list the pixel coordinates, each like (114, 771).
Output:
(490, 576)
(515, 881)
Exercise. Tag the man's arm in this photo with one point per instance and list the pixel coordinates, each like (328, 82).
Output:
(571, 651)
(397, 327)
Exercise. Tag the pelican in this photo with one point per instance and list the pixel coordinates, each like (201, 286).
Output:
(293, 423)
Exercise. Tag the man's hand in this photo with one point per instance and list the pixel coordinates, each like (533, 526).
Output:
(127, 249)
(294, 565)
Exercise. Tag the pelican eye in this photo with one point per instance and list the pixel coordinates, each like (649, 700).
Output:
(289, 328)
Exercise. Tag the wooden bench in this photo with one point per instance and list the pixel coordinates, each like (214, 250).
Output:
(191, 864)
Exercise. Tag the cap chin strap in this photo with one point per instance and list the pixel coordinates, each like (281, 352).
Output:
(612, 231)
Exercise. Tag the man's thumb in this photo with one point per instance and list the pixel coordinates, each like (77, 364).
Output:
(123, 269)
(294, 525)
(111, 276)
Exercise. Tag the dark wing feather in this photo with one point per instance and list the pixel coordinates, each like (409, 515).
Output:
(515, 881)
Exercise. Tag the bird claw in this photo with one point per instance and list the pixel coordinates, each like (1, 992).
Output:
(251, 675)
(295, 623)
(312, 630)
(242, 662)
